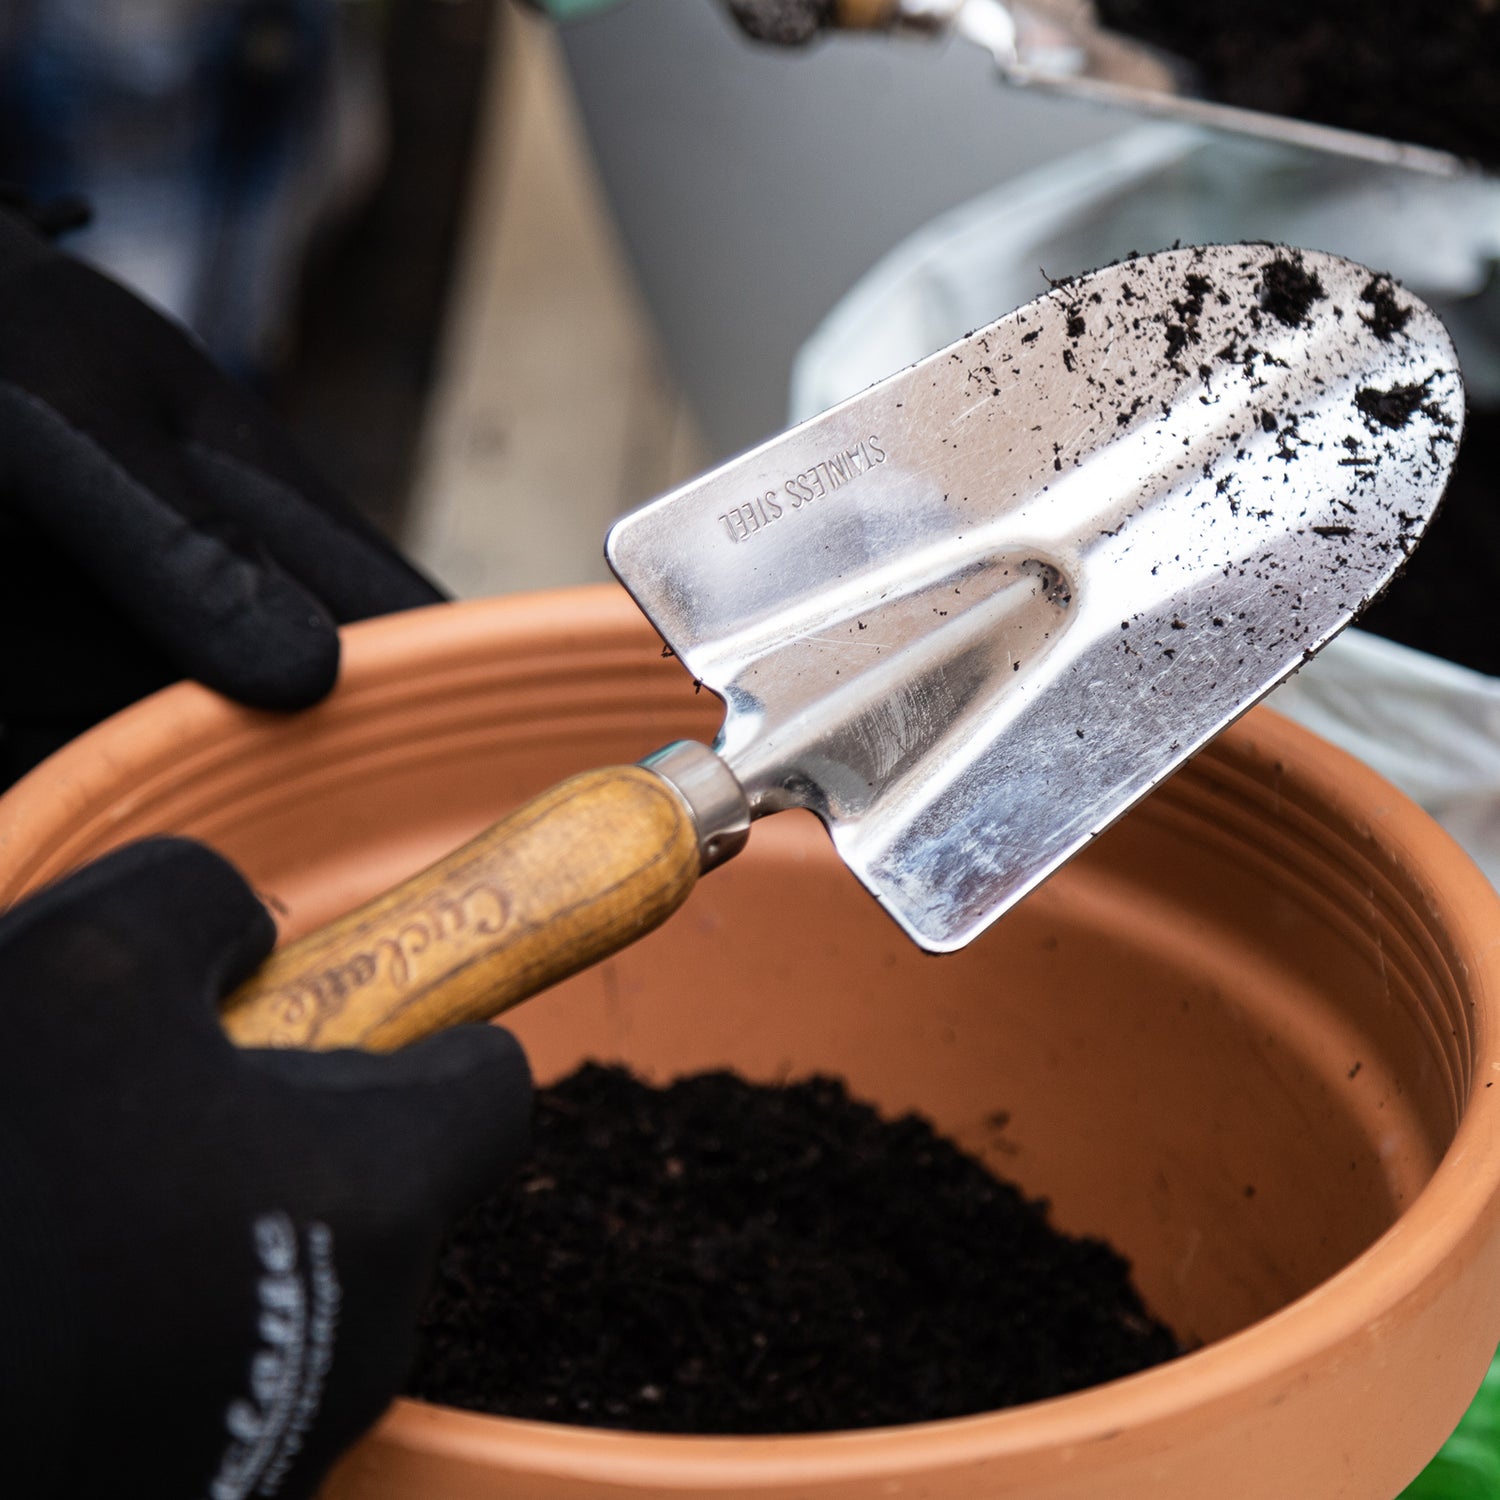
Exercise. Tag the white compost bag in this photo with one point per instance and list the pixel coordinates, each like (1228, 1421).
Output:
(1429, 726)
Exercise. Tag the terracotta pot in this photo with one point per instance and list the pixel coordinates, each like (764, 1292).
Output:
(1250, 1037)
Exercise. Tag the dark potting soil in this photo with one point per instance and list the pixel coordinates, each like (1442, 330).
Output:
(783, 22)
(1444, 602)
(1427, 73)
(1289, 289)
(724, 1257)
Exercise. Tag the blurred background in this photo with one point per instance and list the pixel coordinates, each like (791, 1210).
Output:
(509, 271)
(506, 278)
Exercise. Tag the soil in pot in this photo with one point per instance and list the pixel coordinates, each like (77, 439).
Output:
(1429, 74)
(723, 1257)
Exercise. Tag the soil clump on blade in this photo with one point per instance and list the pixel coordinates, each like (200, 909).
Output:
(1386, 316)
(1289, 289)
(724, 1257)
(1391, 408)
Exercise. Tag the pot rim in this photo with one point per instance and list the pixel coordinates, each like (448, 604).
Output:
(1439, 1235)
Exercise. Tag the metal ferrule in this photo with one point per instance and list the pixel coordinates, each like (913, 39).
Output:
(713, 794)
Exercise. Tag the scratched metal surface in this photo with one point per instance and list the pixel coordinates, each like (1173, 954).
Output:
(973, 614)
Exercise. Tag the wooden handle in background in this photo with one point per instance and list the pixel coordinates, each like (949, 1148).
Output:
(865, 15)
(569, 878)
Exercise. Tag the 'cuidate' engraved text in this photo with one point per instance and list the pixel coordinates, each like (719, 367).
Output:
(409, 957)
(823, 478)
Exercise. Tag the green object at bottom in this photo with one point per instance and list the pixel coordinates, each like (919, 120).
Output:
(1468, 1465)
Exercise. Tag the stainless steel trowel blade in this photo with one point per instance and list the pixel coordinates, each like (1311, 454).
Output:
(973, 614)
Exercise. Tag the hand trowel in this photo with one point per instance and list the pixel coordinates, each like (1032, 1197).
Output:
(1061, 47)
(968, 618)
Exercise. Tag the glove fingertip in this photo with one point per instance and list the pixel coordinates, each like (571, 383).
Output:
(284, 656)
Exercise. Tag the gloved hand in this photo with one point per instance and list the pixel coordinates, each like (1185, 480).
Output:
(155, 520)
(211, 1261)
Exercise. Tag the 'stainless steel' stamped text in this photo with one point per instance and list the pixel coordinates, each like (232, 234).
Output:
(828, 474)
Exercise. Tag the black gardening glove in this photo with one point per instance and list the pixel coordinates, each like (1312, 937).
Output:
(211, 1261)
(156, 522)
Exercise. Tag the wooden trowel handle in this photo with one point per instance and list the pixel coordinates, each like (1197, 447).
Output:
(567, 879)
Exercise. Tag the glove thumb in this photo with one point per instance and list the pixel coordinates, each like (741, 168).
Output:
(451, 1113)
(161, 923)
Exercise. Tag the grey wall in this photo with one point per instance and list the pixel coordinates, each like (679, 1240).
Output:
(752, 185)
